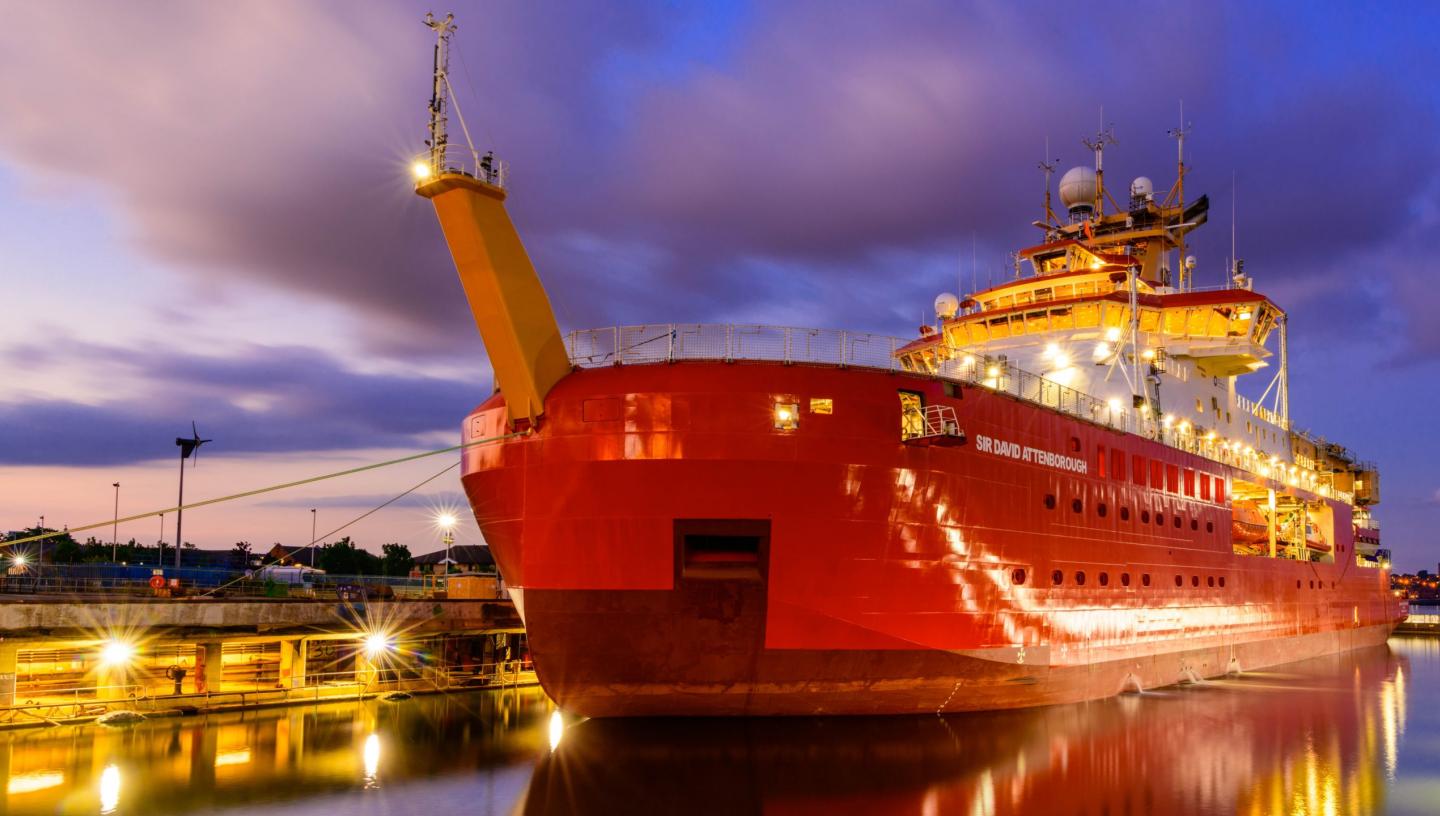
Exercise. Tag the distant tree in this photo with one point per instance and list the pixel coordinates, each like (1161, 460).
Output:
(189, 546)
(63, 549)
(240, 555)
(344, 557)
(396, 559)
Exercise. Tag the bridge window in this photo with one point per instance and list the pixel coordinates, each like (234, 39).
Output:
(1189, 482)
(1204, 487)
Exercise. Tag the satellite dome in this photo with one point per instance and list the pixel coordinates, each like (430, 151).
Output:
(1077, 188)
(946, 305)
(1141, 188)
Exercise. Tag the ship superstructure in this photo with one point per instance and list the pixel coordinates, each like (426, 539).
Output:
(1055, 493)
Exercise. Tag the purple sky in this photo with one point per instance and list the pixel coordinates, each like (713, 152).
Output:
(204, 211)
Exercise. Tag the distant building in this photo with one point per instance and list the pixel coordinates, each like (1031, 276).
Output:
(464, 558)
(287, 556)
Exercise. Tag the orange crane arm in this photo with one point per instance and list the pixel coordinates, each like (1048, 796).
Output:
(506, 297)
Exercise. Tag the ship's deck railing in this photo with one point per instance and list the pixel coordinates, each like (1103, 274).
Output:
(672, 342)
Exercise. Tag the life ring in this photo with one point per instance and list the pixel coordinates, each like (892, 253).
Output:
(157, 582)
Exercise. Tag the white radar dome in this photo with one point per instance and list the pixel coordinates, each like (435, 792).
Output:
(946, 305)
(1077, 188)
(1141, 188)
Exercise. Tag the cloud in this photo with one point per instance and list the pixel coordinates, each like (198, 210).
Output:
(260, 400)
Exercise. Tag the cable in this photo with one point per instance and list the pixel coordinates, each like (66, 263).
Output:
(269, 489)
(353, 521)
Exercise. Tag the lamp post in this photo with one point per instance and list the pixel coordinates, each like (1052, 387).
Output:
(447, 523)
(311, 548)
(160, 542)
(115, 526)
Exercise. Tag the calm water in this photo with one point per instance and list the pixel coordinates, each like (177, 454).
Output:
(1358, 733)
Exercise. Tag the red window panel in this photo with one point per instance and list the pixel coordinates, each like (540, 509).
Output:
(1172, 478)
(1157, 474)
(1205, 486)
(1190, 482)
(1219, 489)
(1100, 461)
(1117, 465)
(1137, 469)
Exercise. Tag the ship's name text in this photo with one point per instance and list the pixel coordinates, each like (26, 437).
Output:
(1025, 453)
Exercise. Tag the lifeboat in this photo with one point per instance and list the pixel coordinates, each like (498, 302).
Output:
(1248, 525)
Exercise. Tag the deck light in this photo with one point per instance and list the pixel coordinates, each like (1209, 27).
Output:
(1052, 349)
(1147, 354)
(420, 169)
(1102, 350)
(787, 416)
(1185, 426)
(1112, 334)
(116, 652)
(992, 372)
(19, 560)
(1244, 314)
(1114, 405)
(968, 361)
(1167, 420)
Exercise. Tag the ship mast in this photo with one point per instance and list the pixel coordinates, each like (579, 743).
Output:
(1178, 191)
(1048, 168)
(438, 91)
(1105, 136)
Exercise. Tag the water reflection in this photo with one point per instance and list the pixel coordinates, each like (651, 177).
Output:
(1318, 737)
(1350, 734)
(257, 760)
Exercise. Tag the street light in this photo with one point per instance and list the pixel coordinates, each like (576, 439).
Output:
(115, 526)
(447, 523)
(312, 537)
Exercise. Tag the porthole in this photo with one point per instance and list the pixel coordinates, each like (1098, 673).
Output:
(1080, 578)
(1124, 579)
(1312, 584)
(1179, 581)
(1049, 501)
(1124, 514)
(1017, 576)
(1104, 579)
(1177, 522)
(1222, 582)
(1145, 579)
(1057, 577)
(1194, 524)
(1209, 526)
(1145, 516)
(1101, 510)
(1159, 519)
(1077, 505)
(1194, 580)
(1210, 581)
(1297, 583)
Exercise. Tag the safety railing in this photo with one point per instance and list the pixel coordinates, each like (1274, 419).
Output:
(678, 342)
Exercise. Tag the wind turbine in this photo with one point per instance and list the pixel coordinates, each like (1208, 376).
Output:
(187, 447)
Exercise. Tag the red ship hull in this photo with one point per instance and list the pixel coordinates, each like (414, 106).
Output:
(675, 553)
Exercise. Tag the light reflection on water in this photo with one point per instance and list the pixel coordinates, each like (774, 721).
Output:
(1350, 734)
